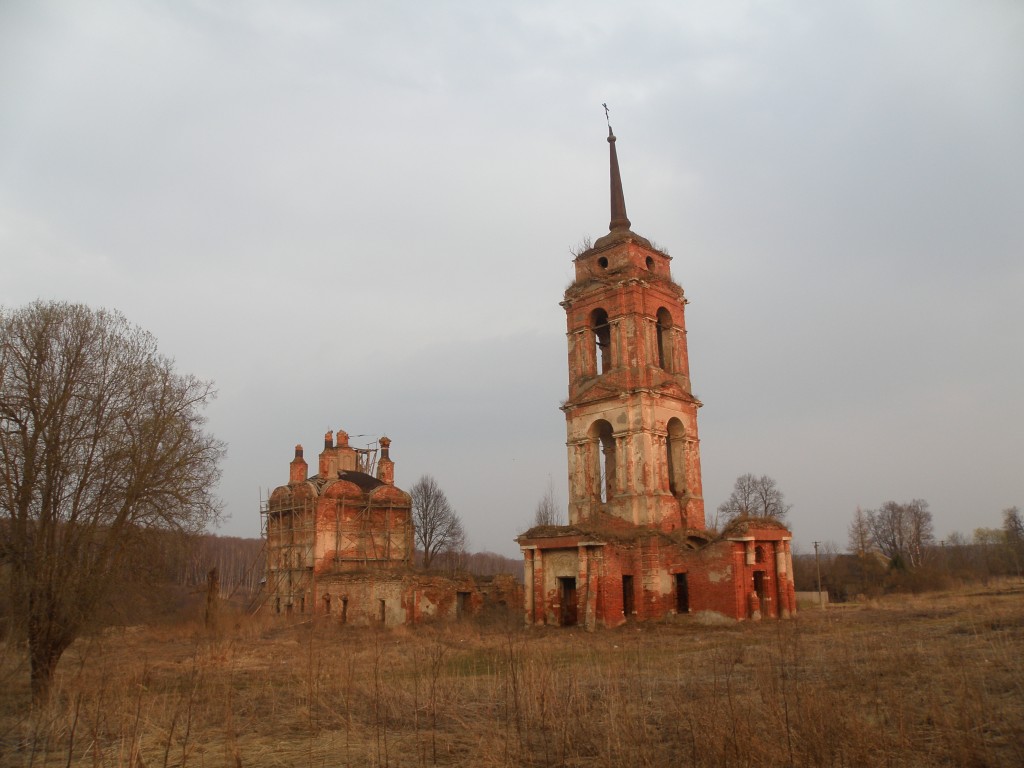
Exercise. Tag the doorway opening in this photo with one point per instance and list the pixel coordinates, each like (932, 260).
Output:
(761, 592)
(682, 594)
(567, 592)
(628, 603)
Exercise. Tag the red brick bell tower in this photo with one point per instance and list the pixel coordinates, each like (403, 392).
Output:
(635, 547)
(631, 417)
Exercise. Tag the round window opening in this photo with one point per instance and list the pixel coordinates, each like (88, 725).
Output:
(602, 262)
(650, 263)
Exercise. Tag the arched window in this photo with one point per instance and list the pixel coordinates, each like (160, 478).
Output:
(604, 469)
(664, 318)
(602, 340)
(675, 446)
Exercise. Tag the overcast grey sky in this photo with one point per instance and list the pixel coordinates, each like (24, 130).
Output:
(360, 215)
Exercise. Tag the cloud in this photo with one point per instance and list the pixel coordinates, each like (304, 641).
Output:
(360, 215)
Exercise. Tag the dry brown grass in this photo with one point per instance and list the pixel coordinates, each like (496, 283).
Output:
(923, 681)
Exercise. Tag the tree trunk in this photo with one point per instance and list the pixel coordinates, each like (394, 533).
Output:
(43, 658)
(212, 596)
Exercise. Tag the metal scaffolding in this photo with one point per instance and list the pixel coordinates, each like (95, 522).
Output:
(290, 535)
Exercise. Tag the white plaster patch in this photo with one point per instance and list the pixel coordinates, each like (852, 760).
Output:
(716, 576)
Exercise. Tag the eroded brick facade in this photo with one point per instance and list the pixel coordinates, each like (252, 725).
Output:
(635, 546)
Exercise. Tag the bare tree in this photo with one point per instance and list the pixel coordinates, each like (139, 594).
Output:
(1013, 528)
(859, 533)
(547, 512)
(1013, 524)
(438, 527)
(921, 530)
(902, 532)
(888, 533)
(754, 497)
(100, 442)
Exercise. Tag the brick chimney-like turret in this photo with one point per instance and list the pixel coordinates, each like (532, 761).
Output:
(346, 455)
(329, 459)
(385, 467)
(298, 470)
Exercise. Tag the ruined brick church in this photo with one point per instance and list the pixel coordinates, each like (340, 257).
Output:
(341, 542)
(636, 546)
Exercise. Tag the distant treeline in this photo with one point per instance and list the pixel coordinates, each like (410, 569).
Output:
(167, 577)
(894, 549)
(240, 563)
(476, 563)
(944, 565)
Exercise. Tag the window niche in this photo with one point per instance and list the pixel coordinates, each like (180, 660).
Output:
(604, 455)
(675, 457)
(602, 340)
(664, 331)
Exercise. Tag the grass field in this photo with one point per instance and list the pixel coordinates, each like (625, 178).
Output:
(935, 680)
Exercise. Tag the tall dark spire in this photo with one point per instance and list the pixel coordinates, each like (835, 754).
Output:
(619, 219)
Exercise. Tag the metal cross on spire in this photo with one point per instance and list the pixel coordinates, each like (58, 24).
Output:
(619, 220)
